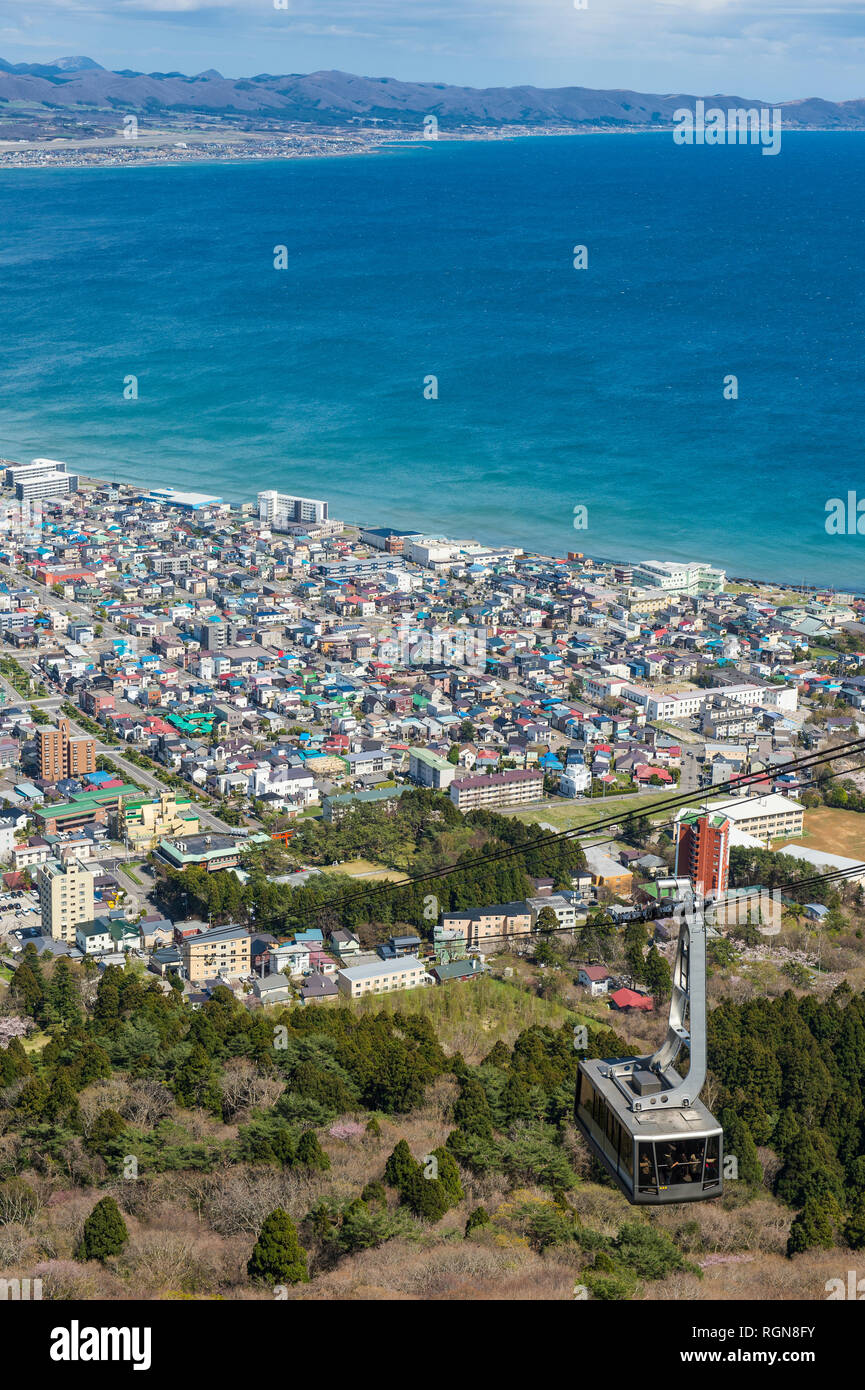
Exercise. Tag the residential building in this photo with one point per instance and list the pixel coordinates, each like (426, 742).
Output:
(609, 873)
(497, 789)
(495, 925)
(65, 897)
(679, 577)
(282, 512)
(380, 977)
(595, 978)
(222, 951)
(429, 770)
(703, 851)
(764, 817)
(62, 753)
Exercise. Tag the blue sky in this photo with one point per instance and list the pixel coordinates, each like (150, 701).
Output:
(774, 49)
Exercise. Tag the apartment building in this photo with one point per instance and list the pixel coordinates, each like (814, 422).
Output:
(380, 977)
(497, 789)
(65, 897)
(62, 753)
(495, 924)
(561, 905)
(764, 817)
(41, 478)
(703, 851)
(677, 577)
(684, 703)
(282, 512)
(222, 951)
(429, 770)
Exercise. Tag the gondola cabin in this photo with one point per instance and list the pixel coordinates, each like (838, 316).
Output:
(655, 1155)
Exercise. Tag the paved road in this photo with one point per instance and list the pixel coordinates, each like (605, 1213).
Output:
(691, 768)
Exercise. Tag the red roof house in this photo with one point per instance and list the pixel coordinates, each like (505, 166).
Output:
(625, 999)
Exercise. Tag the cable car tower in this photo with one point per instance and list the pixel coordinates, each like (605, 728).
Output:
(643, 1122)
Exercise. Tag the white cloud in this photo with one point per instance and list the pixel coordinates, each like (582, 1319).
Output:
(655, 45)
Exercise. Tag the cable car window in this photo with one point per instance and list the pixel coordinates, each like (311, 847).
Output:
(586, 1093)
(711, 1172)
(626, 1152)
(679, 1161)
(599, 1111)
(612, 1126)
(646, 1178)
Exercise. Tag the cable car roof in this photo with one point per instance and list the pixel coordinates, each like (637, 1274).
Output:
(653, 1121)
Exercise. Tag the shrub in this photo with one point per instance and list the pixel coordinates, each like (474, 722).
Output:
(610, 1287)
(648, 1251)
(478, 1218)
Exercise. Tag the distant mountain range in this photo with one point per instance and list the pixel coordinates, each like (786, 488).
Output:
(79, 88)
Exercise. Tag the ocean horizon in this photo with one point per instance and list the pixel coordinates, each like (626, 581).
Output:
(557, 388)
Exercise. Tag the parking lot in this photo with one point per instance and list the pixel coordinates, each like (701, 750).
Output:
(18, 908)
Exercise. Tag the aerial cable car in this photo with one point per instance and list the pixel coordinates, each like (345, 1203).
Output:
(643, 1122)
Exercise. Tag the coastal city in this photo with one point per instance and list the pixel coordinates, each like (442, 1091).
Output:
(432, 676)
(194, 685)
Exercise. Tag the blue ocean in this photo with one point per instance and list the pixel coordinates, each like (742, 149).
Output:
(555, 387)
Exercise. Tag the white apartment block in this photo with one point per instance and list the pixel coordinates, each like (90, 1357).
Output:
(282, 512)
(381, 977)
(683, 703)
(764, 817)
(680, 577)
(65, 897)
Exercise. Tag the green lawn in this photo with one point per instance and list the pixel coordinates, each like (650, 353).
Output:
(564, 815)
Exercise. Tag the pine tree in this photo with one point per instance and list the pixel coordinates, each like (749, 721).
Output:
(105, 1232)
(27, 987)
(739, 1143)
(310, 1153)
(425, 1197)
(811, 1228)
(516, 1101)
(472, 1109)
(499, 1055)
(658, 979)
(63, 1000)
(401, 1167)
(449, 1175)
(854, 1230)
(278, 1257)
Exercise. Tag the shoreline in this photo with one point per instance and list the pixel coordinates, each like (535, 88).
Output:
(529, 553)
(248, 156)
